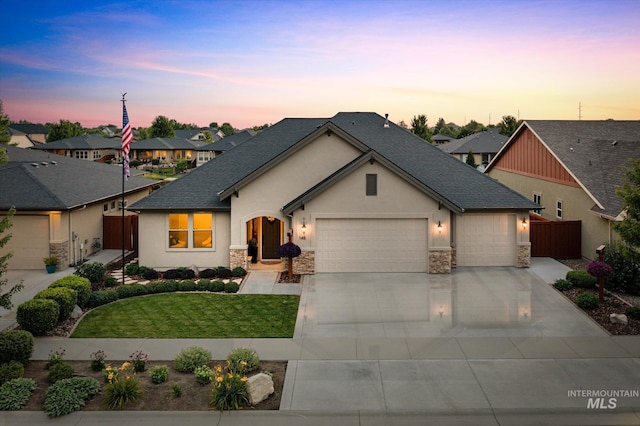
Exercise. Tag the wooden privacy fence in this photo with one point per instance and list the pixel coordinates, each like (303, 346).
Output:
(112, 230)
(560, 240)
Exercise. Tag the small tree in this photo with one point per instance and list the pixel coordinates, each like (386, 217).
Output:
(289, 250)
(629, 192)
(5, 298)
(471, 159)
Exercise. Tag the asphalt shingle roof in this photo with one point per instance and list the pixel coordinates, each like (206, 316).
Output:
(29, 129)
(453, 180)
(34, 180)
(89, 141)
(479, 143)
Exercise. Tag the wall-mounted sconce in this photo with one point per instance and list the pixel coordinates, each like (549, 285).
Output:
(304, 229)
(524, 223)
(525, 313)
(441, 311)
(439, 231)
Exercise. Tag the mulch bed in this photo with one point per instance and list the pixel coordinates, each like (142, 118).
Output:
(283, 278)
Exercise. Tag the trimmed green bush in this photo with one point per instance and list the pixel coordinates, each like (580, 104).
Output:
(238, 272)
(16, 393)
(171, 274)
(38, 315)
(239, 356)
(16, 345)
(69, 395)
(190, 358)
(81, 285)
(208, 273)
(60, 370)
(203, 284)
(11, 370)
(633, 312)
(625, 262)
(587, 301)
(223, 273)
(150, 274)
(231, 287)
(581, 279)
(563, 285)
(187, 274)
(159, 374)
(126, 291)
(203, 374)
(99, 298)
(132, 269)
(66, 298)
(216, 286)
(110, 282)
(93, 271)
(167, 286)
(187, 285)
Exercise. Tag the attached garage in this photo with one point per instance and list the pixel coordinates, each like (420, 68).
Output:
(371, 245)
(29, 242)
(486, 239)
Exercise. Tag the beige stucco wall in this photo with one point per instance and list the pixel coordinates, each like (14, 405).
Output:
(21, 141)
(154, 249)
(576, 206)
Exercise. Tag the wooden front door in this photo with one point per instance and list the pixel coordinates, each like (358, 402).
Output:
(270, 238)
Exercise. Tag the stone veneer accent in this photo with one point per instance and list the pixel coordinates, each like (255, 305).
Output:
(524, 255)
(440, 261)
(305, 264)
(454, 257)
(61, 251)
(238, 257)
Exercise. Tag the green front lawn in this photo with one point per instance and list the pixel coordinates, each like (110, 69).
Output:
(193, 315)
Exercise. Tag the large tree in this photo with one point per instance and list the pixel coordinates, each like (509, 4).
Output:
(227, 129)
(420, 127)
(471, 160)
(629, 192)
(5, 136)
(472, 127)
(162, 128)
(508, 125)
(63, 130)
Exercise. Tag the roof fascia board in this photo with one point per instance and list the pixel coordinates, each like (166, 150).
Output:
(328, 127)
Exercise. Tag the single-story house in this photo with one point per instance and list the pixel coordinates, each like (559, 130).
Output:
(356, 192)
(60, 204)
(92, 147)
(211, 150)
(484, 146)
(26, 135)
(571, 169)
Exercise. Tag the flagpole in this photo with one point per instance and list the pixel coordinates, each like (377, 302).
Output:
(123, 176)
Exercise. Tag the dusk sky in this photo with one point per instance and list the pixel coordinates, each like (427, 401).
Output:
(255, 62)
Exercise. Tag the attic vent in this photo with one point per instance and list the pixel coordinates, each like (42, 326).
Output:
(44, 163)
(614, 143)
(34, 165)
(386, 121)
(571, 149)
(54, 162)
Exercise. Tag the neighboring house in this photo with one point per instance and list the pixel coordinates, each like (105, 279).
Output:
(441, 139)
(27, 135)
(198, 134)
(359, 194)
(57, 198)
(484, 146)
(571, 169)
(165, 150)
(211, 150)
(92, 147)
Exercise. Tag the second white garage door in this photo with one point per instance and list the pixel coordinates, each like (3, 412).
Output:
(486, 240)
(371, 245)
(29, 242)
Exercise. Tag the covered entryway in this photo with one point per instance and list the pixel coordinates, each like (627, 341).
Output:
(486, 239)
(371, 245)
(271, 237)
(29, 242)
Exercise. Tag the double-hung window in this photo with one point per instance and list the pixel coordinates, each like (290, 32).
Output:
(191, 230)
(537, 198)
(559, 209)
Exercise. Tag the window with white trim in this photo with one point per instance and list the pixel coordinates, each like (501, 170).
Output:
(82, 154)
(191, 230)
(96, 155)
(372, 184)
(537, 198)
(559, 209)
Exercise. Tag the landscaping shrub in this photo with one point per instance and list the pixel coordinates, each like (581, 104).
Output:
(38, 315)
(187, 285)
(187, 274)
(171, 274)
(81, 285)
(238, 272)
(98, 360)
(203, 374)
(150, 274)
(216, 286)
(581, 279)
(625, 263)
(223, 273)
(168, 286)
(16, 345)
(208, 273)
(135, 163)
(126, 291)
(93, 271)
(99, 298)
(190, 358)
(55, 357)
(66, 298)
(11, 370)
(159, 374)
(155, 161)
(231, 287)
(110, 282)
(203, 284)
(633, 312)
(229, 390)
(587, 301)
(15, 394)
(60, 370)
(132, 269)
(122, 387)
(243, 360)
(69, 395)
(563, 285)
(176, 390)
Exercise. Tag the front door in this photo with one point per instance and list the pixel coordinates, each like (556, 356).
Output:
(270, 238)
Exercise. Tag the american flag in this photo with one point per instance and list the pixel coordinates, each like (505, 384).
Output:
(127, 137)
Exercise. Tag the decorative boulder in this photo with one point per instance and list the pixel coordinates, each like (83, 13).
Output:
(618, 319)
(195, 270)
(76, 313)
(259, 388)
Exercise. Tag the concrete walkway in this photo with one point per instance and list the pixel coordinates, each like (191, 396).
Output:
(381, 380)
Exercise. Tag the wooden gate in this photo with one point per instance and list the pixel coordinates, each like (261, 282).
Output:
(112, 232)
(559, 240)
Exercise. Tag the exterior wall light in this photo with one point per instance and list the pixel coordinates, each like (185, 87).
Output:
(439, 227)
(524, 223)
(304, 229)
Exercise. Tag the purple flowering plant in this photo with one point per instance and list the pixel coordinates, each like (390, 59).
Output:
(598, 268)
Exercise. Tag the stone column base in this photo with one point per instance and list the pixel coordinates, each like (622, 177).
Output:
(238, 257)
(440, 261)
(60, 249)
(524, 255)
(305, 264)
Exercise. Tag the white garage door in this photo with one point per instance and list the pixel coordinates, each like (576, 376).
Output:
(371, 245)
(486, 240)
(29, 242)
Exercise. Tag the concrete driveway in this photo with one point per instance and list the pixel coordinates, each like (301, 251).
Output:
(472, 302)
